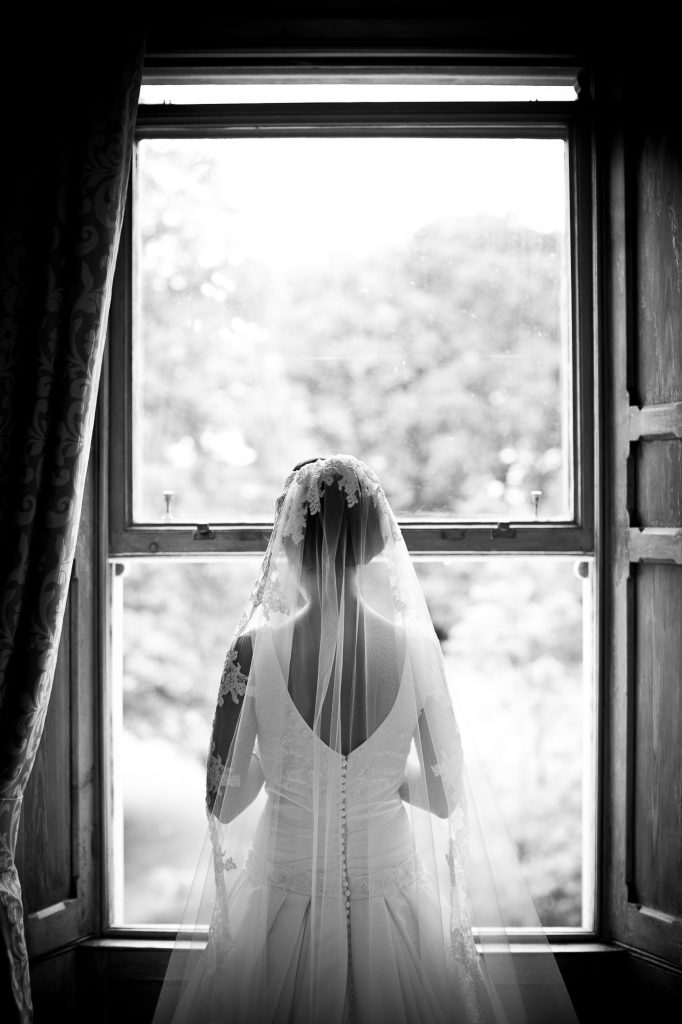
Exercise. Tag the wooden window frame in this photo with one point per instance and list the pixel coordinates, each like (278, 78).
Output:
(577, 537)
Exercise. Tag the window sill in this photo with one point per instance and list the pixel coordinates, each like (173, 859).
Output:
(148, 957)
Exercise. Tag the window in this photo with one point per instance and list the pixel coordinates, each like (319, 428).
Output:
(405, 278)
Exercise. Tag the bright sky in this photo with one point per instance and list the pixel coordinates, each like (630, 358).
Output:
(363, 193)
(306, 200)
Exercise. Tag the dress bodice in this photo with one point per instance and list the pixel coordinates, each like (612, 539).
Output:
(330, 816)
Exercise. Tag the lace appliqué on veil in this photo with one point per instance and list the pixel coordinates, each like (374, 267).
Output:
(351, 476)
(215, 766)
(220, 939)
(233, 680)
(462, 947)
(269, 597)
(449, 772)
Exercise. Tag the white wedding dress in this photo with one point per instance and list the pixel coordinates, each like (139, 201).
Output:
(345, 896)
(351, 930)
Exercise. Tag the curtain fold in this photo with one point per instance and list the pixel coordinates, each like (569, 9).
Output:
(69, 99)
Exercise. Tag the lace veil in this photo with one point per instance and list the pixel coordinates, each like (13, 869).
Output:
(337, 772)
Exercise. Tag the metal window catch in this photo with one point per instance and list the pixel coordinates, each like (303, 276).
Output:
(168, 498)
(203, 532)
(535, 497)
(503, 531)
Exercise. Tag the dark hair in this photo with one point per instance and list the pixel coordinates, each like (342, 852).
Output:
(305, 462)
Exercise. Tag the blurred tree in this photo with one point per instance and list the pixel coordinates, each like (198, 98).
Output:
(442, 367)
(440, 362)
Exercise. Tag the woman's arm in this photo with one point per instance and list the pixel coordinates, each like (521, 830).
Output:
(234, 799)
(235, 775)
(422, 786)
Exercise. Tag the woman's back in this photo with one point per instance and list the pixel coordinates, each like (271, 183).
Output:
(347, 700)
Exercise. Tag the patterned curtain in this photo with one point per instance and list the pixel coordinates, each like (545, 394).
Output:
(69, 100)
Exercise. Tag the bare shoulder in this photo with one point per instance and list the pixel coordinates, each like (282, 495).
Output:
(384, 636)
(401, 633)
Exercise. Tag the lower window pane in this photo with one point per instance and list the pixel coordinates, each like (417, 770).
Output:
(518, 643)
(517, 637)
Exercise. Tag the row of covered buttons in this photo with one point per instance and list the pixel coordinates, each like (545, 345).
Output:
(346, 888)
(344, 866)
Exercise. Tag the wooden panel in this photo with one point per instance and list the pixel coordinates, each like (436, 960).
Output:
(56, 842)
(657, 990)
(659, 483)
(659, 270)
(53, 982)
(44, 844)
(121, 981)
(657, 790)
(384, 29)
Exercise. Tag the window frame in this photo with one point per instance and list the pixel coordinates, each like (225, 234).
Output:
(577, 537)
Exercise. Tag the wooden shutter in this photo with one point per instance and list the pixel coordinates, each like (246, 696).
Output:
(57, 839)
(643, 359)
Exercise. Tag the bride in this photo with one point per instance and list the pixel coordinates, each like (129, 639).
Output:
(338, 821)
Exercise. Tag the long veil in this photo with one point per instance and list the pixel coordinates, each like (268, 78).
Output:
(355, 865)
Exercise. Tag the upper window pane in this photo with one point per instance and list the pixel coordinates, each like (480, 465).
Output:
(403, 299)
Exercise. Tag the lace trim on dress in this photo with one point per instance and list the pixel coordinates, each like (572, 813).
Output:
(384, 882)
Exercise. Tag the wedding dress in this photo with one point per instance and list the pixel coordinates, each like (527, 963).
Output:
(340, 830)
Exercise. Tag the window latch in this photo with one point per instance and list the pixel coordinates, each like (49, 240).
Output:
(203, 532)
(168, 498)
(502, 531)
